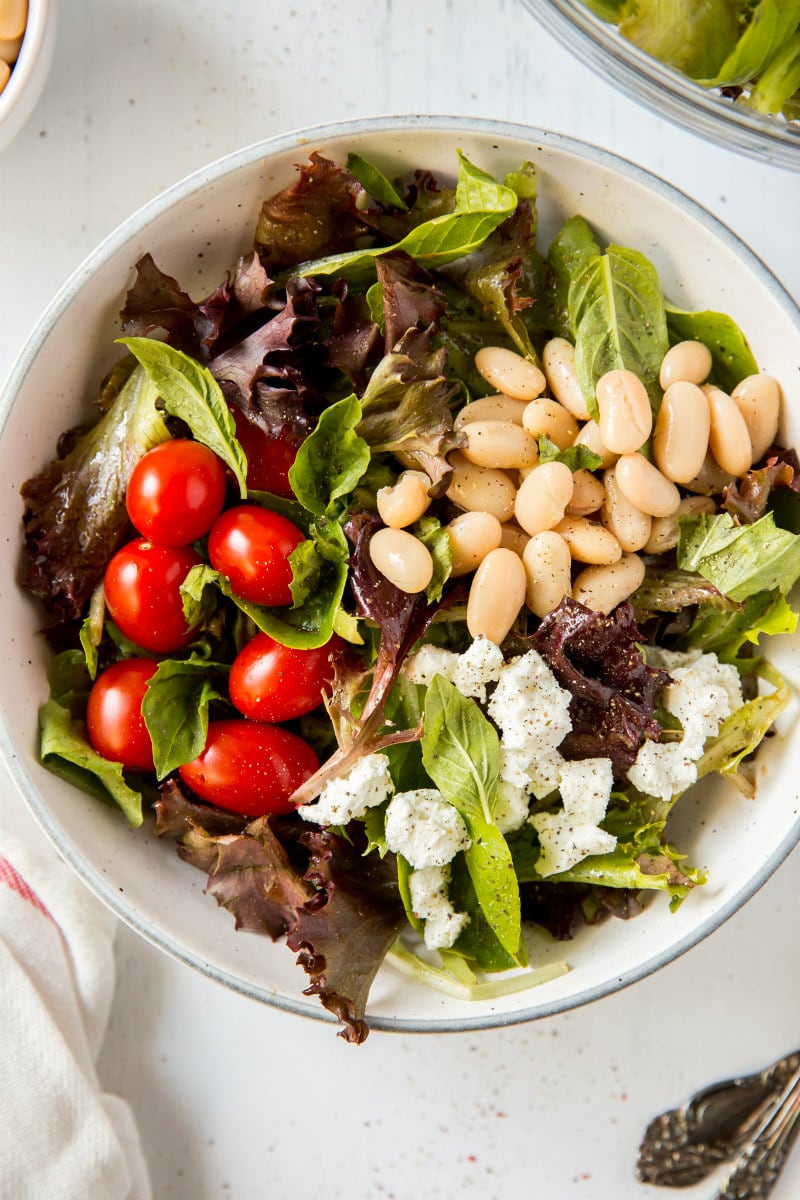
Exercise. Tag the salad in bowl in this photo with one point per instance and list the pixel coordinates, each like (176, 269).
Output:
(411, 575)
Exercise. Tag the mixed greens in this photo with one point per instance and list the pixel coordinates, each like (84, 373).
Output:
(350, 333)
(749, 49)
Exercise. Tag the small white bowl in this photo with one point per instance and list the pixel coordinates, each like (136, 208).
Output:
(23, 89)
(195, 232)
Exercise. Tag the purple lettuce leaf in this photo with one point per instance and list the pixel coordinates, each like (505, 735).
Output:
(157, 301)
(411, 299)
(354, 336)
(747, 499)
(599, 660)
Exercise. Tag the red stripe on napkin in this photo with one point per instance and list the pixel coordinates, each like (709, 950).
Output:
(12, 879)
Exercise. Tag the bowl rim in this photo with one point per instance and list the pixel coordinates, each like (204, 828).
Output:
(33, 44)
(115, 240)
(697, 109)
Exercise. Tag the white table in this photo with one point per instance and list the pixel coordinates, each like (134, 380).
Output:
(236, 1100)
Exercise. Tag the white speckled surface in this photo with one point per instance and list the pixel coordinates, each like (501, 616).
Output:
(236, 1101)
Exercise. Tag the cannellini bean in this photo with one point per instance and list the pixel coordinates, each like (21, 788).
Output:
(13, 18)
(588, 541)
(729, 440)
(558, 360)
(491, 408)
(548, 418)
(645, 486)
(404, 503)
(688, 362)
(510, 373)
(499, 444)
(9, 49)
(402, 558)
(514, 538)
(664, 533)
(5, 73)
(481, 489)
(591, 438)
(626, 417)
(603, 588)
(588, 494)
(683, 425)
(629, 525)
(758, 399)
(496, 595)
(710, 480)
(543, 497)
(472, 536)
(547, 563)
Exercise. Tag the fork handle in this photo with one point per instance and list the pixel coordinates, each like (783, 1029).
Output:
(757, 1170)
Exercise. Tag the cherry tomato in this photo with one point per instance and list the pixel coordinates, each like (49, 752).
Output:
(142, 586)
(271, 682)
(114, 714)
(176, 492)
(250, 546)
(268, 458)
(250, 768)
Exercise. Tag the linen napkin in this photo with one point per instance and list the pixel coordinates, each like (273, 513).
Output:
(61, 1137)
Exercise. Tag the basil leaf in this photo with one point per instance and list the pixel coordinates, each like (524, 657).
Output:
(478, 942)
(461, 753)
(291, 509)
(731, 356)
(191, 392)
(577, 458)
(618, 321)
(305, 628)
(571, 249)
(175, 710)
(65, 751)
(375, 182)
(306, 563)
(432, 534)
(481, 205)
(86, 636)
(332, 459)
(740, 560)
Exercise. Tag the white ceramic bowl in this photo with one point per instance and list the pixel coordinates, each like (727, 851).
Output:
(701, 264)
(30, 70)
(666, 90)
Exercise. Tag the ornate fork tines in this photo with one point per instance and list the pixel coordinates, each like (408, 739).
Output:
(757, 1170)
(683, 1146)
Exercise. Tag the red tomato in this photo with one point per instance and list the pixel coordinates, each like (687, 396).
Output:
(142, 586)
(268, 459)
(271, 682)
(114, 714)
(250, 768)
(176, 492)
(250, 546)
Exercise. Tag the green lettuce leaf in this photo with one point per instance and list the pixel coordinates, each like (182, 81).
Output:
(375, 182)
(693, 35)
(577, 458)
(772, 24)
(779, 81)
(742, 732)
(191, 392)
(726, 633)
(432, 534)
(740, 560)
(732, 359)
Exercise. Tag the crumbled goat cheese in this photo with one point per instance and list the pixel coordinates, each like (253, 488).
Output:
(424, 828)
(565, 842)
(530, 706)
(703, 692)
(511, 807)
(430, 902)
(469, 672)
(366, 784)
(586, 789)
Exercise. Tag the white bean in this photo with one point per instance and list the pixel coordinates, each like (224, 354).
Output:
(710, 480)
(688, 362)
(626, 417)
(603, 588)
(591, 438)
(404, 503)
(402, 558)
(496, 595)
(548, 418)
(547, 563)
(588, 541)
(729, 440)
(491, 408)
(499, 444)
(481, 489)
(558, 360)
(13, 18)
(629, 525)
(758, 398)
(472, 535)
(665, 530)
(588, 494)
(683, 425)
(543, 497)
(643, 485)
(510, 373)
(514, 538)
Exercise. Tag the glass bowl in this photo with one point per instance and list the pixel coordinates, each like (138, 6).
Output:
(30, 71)
(665, 90)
